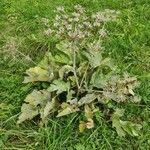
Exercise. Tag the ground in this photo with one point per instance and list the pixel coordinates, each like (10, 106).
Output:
(21, 47)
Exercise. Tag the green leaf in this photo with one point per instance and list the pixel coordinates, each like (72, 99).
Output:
(62, 58)
(131, 128)
(28, 112)
(46, 61)
(98, 79)
(94, 58)
(64, 53)
(70, 97)
(65, 70)
(109, 63)
(118, 113)
(118, 126)
(87, 99)
(59, 86)
(123, 127)
(64, 46)
(49, 108)
(38, 74)
(82, 68)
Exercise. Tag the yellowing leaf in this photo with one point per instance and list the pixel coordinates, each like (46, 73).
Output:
(131, 91)
(68, 109)
(82, 126)
(28, 112)
(88, 112)
(136, 99)
(90, 124)
(64, 105)
(37, 74)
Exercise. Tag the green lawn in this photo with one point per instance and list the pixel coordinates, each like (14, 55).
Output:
(22, 46)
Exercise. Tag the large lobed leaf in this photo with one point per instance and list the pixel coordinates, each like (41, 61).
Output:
(38, 97)
(37, 102)
(59, 86)
(28, 112)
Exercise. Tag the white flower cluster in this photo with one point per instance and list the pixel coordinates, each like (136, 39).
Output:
(78, 26)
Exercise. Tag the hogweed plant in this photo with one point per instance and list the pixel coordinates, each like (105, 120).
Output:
(79, 78)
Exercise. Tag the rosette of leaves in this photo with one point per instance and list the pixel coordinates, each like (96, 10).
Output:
(78, 76)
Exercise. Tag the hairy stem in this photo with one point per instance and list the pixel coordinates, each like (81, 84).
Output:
(74, 69)
(84, 76)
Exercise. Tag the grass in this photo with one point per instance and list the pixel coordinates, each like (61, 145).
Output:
(22, 46)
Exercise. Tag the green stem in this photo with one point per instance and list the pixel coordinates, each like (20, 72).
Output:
(74, 69)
